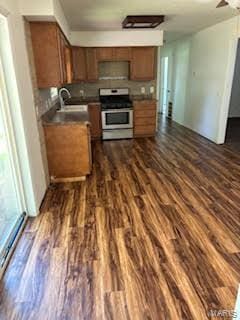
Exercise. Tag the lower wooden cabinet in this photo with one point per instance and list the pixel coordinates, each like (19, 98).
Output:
(68, 151)
(94, 110)
(145, 118)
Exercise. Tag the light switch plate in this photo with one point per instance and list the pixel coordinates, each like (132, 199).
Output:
(143, 90)
(81, 93)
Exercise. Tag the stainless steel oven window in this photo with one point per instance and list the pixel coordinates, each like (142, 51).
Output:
(117, 119)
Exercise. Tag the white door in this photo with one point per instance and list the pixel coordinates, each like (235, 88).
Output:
(164, 84)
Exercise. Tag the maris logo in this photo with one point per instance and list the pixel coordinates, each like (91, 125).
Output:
(222, 314)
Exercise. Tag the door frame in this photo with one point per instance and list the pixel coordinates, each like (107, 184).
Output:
(162, 85)
(223, 118)
(170, 82)
(14, 163)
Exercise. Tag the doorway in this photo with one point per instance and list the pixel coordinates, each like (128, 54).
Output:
(164, 98)
(233, 121)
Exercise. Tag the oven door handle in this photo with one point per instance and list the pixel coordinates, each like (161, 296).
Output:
(117, 110)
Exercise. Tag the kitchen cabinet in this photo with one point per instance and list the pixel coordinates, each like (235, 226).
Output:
(79, 64)
(51, 55)
(105, 54)
(68, 64)
(114, 54)
(143, 66)
(57, 63)
(91, 64)
(65, 59)
(94, 110)
(68, 151)
(122, 54)
(145, 112)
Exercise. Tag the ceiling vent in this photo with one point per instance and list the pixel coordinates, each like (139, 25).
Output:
(142, 22)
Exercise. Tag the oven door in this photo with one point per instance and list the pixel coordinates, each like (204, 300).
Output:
(117, 119)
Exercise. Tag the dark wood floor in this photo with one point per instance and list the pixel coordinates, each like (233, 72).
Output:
(154, 233)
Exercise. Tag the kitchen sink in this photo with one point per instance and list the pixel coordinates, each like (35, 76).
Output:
(74, 108)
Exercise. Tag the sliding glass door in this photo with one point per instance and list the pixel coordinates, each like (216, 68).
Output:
(11, 203)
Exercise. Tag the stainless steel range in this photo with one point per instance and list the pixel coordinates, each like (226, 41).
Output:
(117, 114)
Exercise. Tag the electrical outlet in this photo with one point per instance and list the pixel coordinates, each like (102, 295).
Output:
(81, 93)
(143, 91)
(152, 89)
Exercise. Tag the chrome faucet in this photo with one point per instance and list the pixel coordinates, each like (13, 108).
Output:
(62, 103)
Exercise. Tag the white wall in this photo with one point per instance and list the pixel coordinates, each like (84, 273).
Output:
(207, 82)
(117, 38)
(45, 10)
(22, 107)
(208, 71)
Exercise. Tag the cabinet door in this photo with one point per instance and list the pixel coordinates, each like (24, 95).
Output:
(143, 63)
(62, 55)
(45, 43)
(122, 54)
(95, 120)
(68, 151)
(105, 54)
(92, 64)
(79, 64)
(68, 61)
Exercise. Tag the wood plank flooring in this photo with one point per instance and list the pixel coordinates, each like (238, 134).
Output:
(154, 233)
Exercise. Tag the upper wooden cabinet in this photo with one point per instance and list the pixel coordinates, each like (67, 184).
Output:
(143, 63)
(68, 64)
(114, 54)
(51, 54)
(79, 64)
(57, 63)
(91, 64)
(122, 53)
(105, 54)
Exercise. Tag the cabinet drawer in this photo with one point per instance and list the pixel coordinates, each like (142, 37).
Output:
(146, 113)
(145, 121)
(145, 130)
(142, 105)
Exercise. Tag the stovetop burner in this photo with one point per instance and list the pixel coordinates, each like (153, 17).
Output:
(115, 99)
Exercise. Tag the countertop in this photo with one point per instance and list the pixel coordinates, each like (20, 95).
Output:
(66, 118)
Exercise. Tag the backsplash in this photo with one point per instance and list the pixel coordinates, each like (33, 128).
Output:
(92, 89)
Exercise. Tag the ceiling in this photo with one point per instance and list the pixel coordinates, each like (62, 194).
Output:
(182, 16)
